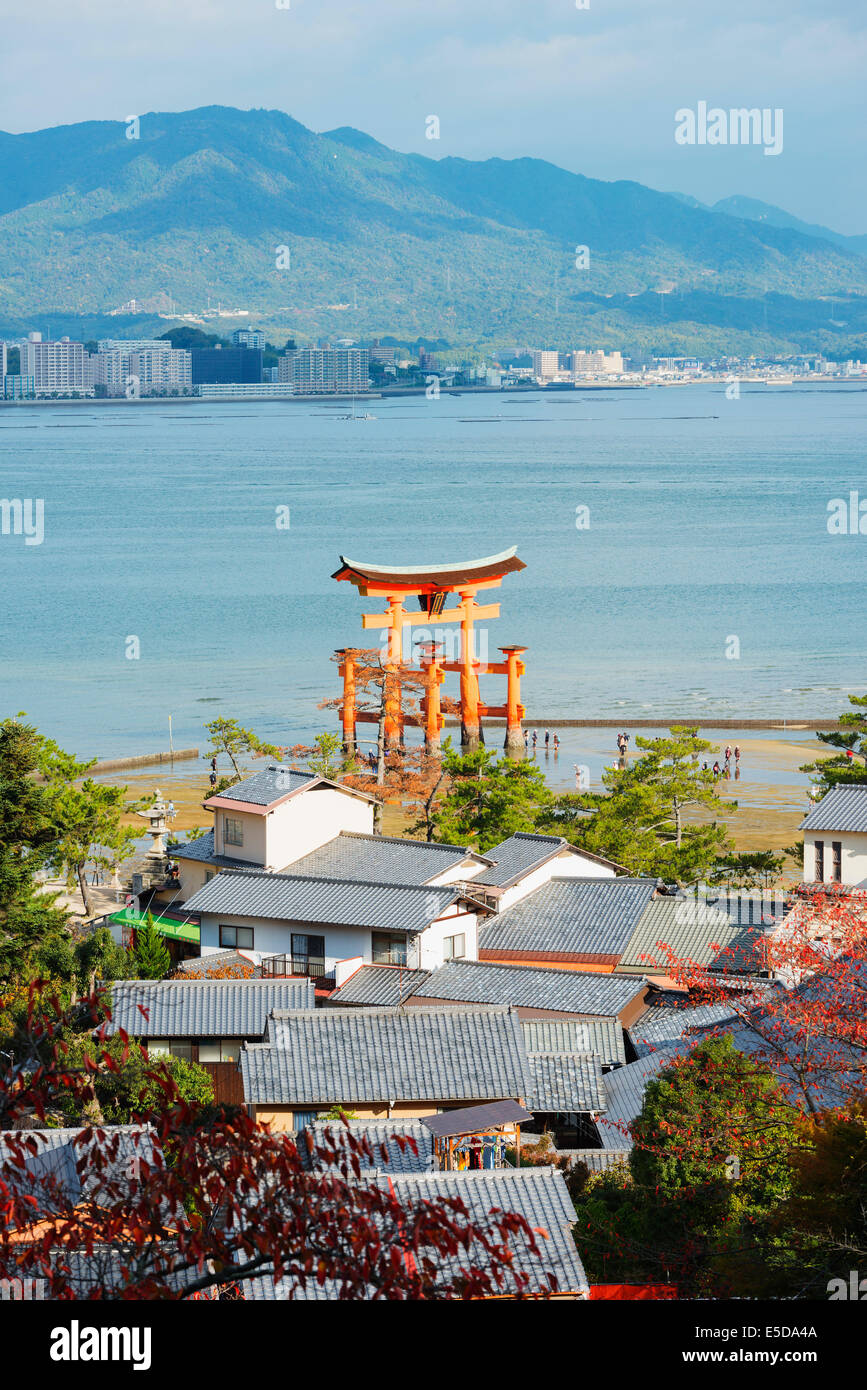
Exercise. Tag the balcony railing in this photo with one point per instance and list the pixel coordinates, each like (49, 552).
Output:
(279, 967)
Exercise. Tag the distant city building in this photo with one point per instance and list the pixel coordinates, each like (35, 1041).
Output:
(677, 364)
(248, 338)
(60, 368)
(597, 364)
(165, 369)
(312, 371)
(128, 345)
(153, 363)
(229, 365)
(233, 390)
(3, 360)
(545, 365)
(18, 388)
(385, 355)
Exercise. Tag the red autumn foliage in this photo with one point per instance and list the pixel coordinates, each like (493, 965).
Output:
(210, 1206)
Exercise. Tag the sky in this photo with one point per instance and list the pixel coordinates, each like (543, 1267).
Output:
(594, 89)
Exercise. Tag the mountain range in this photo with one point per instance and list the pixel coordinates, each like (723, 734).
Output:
(335, 234)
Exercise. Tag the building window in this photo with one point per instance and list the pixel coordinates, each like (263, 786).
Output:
(455, 947)
(237, 938)
(387, 949)
(233, 831)
(820, 861)
(836, 861)
(223, 1050)
(308, 955)
(208, 875)
(169, 1047)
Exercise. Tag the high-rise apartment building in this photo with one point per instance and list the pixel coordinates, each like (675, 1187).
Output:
(316, 370)
(248, 338)
(145, 365)
(545, 365)
(61, 367)
(597, 363)
(163, 369)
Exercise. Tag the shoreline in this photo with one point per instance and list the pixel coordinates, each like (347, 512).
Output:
(663, 722)
(120, 763)
(401, 392)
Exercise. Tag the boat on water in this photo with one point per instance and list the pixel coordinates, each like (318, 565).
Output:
(365, 415)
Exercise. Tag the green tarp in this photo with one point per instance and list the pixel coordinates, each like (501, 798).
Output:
(166, 926)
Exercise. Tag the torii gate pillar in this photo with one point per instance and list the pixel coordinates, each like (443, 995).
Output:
(514, 709)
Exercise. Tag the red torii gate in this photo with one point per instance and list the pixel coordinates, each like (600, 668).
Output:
(431, 584)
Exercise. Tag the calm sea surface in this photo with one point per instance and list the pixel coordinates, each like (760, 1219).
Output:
(707, 522)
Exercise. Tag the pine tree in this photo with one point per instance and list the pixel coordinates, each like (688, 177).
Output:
(831, 771)
(151, 953)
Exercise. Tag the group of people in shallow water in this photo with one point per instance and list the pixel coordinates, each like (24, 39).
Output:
(726, 769)
(547, 741)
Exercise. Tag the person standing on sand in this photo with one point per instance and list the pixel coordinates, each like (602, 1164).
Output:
(526, 738)
(547, 740)
(556, 744)
(737, 754)
(535, 740)
(728, 753)
(717, 770)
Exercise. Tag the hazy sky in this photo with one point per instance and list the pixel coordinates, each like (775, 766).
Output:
(594, 90)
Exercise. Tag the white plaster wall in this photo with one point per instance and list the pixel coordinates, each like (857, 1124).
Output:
(192, 876)
(457, 872)
(310, 820)
(563, 865)
(854, 856)
(429, 951)
(275, 938)
(252, 851)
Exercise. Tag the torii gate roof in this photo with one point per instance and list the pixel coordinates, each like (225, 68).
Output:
(418, 578)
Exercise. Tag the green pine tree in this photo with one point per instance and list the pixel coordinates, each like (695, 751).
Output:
(151, 953)
(647, 816)
(829, 772)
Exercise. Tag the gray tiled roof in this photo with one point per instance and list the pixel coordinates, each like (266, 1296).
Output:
(517, 856)
(201, 851)
(333, 902)
(351, 1056)
(565, 1083)
(563, 991)
(691, 930)
(381, 985)
(596, 1160)
(842, 808)
(61, 1173)
(379, 1135)
(203, 1008)
(602, 1036)
(539, 1195)
(269, 785)
(574, 916)
(664, 1025)
(624, 1089)
(379, 859)
(213, 961)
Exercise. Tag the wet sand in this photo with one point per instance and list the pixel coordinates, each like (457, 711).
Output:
(771, 792)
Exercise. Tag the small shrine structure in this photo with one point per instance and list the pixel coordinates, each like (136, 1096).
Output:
(478, 1136)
